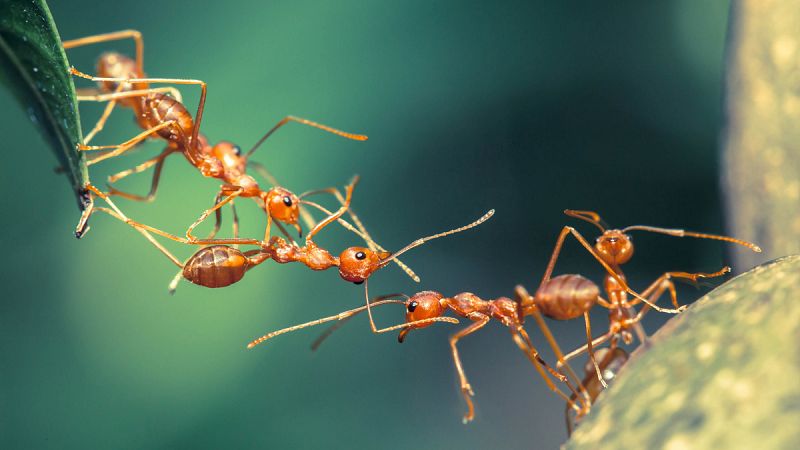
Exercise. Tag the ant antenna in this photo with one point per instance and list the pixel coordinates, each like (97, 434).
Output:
(341, 316)
(589, 216)
(421, 241)
(284, 121)
(325, 334)
(684, 233)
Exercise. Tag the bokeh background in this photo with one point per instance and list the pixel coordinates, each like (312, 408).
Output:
(525, 107)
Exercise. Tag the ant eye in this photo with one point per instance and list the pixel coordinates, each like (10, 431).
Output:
(237, 150)
(412, 306)
(358, 282)
(361, 255)
(287, 201)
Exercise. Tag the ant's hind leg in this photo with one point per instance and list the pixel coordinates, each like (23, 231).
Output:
(115, 36)
(232, 195)
(523, 297)
(534, 358)
(158, 161)
(125, 146)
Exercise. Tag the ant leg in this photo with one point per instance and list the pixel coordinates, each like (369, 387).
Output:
(125, 146)
(115, 36)
(533, 354)
(118, 214)
(685, 275)
(521, 331)
(534, 358)
(566, 231)
(193, 151)
(578, 351)
(233, 194)
(144, 229)
(466, 389)
(159, 163)
(217, 217)
(102, 121)
(235, 224)
(287, 119)
(118, 94)
(335, 216)
(523, 297)
(590, 349)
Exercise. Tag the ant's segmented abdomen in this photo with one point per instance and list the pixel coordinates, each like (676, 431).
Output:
(566, 296)
(117, 65)
(216, 266)
(160, 108)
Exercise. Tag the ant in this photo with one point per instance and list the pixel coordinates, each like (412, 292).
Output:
(221, 265)
(610, 361)
(562, 297)
(123, 79)
(613, 248)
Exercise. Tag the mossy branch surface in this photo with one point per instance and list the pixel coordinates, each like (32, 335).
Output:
(761, 141)
(34, 67)
(723, 374)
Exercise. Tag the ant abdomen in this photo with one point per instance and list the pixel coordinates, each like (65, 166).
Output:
(566, 297)
(216, 266)
(160, 108)
(116, 65)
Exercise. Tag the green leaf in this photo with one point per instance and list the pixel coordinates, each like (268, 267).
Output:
(34, 67)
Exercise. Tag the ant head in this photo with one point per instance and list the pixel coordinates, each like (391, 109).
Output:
(283, 205)
(230, 155)
(614, 246)
(423, 305)
(356, 264)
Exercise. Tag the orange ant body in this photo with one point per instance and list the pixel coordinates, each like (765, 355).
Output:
(122, 79)
(613, 248)
(561, 297)
(220, 265)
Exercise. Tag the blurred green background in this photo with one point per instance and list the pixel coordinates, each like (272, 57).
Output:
(526, 107)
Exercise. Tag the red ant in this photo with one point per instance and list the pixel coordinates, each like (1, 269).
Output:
(613, 248)
(562, 297)
(221, 265)
(123, 79)
(610, 361)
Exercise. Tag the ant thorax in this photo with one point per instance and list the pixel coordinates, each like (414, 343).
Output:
(230, 155)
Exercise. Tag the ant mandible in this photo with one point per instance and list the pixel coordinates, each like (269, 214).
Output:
(123, 80)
